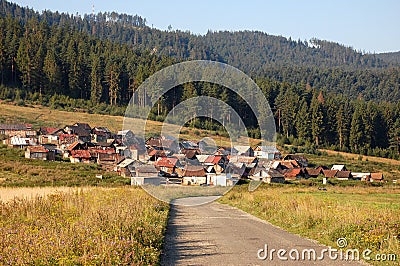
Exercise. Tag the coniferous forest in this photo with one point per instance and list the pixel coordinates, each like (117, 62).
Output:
(323, 94)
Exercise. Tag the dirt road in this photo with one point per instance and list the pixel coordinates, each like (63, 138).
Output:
(216, 234)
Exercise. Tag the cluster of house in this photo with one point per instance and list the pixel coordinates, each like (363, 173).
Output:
(163, 160)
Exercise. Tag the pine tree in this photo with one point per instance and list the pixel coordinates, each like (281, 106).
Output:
(303, 122)
(96, 79)
(317, 120)
(357, 136)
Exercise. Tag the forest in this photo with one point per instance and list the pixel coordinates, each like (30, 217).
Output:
(322, 94)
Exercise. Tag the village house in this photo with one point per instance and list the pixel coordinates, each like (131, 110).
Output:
(300, 159)
(40, 153)
(343, 175)
(146, 174)
(339, 167)
(20, 130)
(267, 175)
(294, 174)
(330, 173)
(127, 167)
(50, 135)
(376, 177)
(267, 152)
(100, 134)
(313, 173)
(20, 142)
(167, 164)
(81, 130)
(80, 156)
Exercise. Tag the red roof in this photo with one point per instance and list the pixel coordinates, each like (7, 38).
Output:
(343, 174)
(377, 176)
(213, 159)
(37, 149)
(329, 173)
(294, 172)
(159, 153)
(85, 154)
(166, 162)
(65, 136)
(313, 172)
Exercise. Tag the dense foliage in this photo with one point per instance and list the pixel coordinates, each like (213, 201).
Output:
(321, 93)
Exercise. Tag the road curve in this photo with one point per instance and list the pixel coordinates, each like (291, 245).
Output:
(217, 234)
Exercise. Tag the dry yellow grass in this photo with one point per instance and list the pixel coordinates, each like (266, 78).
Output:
(8, 194)
(364, 158)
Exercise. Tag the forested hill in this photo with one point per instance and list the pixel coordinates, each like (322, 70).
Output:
(251, 51)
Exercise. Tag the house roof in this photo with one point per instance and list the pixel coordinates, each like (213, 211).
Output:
(15, 127)
(213, 159)
(377, 176)
(275, 173)
(146, 169)
(313, 172)
(166, 162)
(74, 146)
(294, 172)
(242, 148)
(290, 164)
(85, 154)
(193, 170)
(159, 153)
(48, 130)
(339, 167)
(125, 163)
(329, 173)
(343, 174)
(190, 153)
(65, 136)
(297, 157)
(37, 149)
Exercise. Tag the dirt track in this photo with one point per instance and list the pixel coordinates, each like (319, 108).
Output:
(216, 234)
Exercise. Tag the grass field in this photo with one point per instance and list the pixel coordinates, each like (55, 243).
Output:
(122, 226)
(367, 217)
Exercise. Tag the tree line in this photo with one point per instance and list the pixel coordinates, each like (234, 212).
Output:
(350, 108)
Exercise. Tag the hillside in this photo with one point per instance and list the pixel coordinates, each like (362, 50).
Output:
(250, 51)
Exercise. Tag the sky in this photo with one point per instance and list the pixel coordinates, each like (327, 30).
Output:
(366, 25)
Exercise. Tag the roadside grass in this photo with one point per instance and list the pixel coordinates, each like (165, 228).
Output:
(119, 226)
(367, 217)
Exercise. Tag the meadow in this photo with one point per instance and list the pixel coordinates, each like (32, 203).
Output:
(367, 217)
(99, 226)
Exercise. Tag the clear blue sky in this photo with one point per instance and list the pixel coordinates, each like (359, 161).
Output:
(372, 26)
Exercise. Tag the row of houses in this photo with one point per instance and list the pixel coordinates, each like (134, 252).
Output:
(163, 159)
(281, 171)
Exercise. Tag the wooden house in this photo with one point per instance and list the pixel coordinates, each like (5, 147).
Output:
(40, 153)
